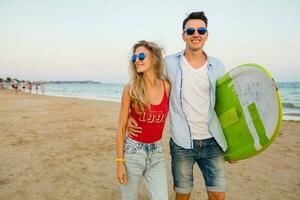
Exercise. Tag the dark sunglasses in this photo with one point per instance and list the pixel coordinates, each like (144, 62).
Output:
(191, 31)
(141, 57)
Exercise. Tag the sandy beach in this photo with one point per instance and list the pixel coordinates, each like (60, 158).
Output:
(54, 148)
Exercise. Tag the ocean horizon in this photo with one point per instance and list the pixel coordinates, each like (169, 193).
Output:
(289, 91)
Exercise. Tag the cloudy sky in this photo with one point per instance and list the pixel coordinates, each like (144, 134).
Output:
(92, 39)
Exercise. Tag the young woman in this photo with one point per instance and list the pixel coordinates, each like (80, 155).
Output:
(145, 99)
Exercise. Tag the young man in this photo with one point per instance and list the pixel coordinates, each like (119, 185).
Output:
(196, 133)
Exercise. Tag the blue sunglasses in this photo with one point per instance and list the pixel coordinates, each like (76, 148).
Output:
(141, 57)
(191, 31)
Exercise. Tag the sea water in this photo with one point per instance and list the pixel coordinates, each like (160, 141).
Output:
(290, 97)
(289, 91)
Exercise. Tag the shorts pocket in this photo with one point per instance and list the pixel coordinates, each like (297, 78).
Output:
(214, 149)
(131, 146)
(159, 148)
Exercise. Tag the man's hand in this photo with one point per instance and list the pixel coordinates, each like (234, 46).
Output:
(133, 128)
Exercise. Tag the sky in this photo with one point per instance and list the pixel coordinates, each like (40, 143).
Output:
(92, 39)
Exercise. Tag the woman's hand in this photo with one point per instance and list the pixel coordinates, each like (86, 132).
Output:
(121, 173)
(133, 128)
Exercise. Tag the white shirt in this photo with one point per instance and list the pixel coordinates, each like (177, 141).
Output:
(195, 101)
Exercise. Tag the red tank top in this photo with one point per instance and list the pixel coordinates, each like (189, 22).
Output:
(151, 120)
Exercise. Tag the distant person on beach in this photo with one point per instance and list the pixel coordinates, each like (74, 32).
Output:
(14, 85)
(196, 133)
(146, 97)
(23, 85)
(36, 87)
(30, 87)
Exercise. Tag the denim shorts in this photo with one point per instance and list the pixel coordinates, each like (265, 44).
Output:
(210, 158)
(144, 161)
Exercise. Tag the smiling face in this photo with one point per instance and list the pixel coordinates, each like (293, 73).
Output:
(145, 64)
(196, 41)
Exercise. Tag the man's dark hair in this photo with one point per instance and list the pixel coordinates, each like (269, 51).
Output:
(195, 15)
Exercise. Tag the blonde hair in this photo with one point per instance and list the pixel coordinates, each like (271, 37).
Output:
(137, 87)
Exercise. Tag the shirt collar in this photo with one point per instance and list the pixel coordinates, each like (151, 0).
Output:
(209, 65)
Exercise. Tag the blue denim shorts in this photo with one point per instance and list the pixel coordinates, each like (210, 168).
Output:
(145, 161)
(210, 158)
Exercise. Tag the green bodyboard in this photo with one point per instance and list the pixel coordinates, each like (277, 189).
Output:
(249, 109)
